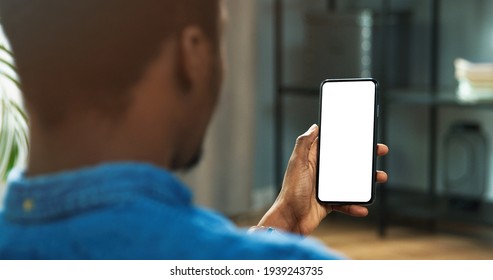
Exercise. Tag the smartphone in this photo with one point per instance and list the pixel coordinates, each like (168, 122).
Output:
(348, 118)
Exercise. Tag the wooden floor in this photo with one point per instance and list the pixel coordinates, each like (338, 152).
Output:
(358, 239)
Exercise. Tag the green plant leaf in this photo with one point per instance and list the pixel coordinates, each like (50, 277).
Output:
(14, 122)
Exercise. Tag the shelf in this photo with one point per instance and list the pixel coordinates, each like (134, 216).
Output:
(299, 91)
(428, 98)
(428, 206)
(421, 97)
(413, 204)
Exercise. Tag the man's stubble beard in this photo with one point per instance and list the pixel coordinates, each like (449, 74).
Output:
(194, 161)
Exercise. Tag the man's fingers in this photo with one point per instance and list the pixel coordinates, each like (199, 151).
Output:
(304, 142)
(382, 177)
(310, 135)
(351, 210)
(382, 149)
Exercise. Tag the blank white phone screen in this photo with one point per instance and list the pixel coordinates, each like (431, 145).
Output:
(347, 145)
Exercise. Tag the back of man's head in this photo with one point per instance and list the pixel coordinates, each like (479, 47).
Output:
(90, 52)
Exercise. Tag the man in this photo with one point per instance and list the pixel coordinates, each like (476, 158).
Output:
(119, 93)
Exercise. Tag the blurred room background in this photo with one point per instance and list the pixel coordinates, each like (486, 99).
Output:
(438, 123)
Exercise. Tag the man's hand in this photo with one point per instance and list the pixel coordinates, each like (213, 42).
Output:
(296, 209)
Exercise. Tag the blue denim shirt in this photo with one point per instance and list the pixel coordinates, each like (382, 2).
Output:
(127, 211)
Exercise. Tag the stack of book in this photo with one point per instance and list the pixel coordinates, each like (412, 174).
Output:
(475, 80)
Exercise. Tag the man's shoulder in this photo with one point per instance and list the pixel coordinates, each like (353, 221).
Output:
(147, 229)
(197, 233)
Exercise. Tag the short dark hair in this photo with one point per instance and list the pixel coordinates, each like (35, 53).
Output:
(72, 50)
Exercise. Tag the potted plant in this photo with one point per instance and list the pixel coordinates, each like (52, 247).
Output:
(13, 119)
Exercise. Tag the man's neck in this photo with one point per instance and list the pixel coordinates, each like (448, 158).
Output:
(88, 141)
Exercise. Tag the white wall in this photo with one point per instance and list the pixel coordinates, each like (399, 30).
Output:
(264, 188)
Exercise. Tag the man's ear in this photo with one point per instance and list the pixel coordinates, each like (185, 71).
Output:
(194, 57)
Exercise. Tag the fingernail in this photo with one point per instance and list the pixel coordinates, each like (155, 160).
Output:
(313, 127)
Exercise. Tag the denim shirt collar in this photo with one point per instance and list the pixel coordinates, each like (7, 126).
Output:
(40, 198)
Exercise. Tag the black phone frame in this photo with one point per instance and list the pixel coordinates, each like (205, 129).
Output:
(375, 133)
